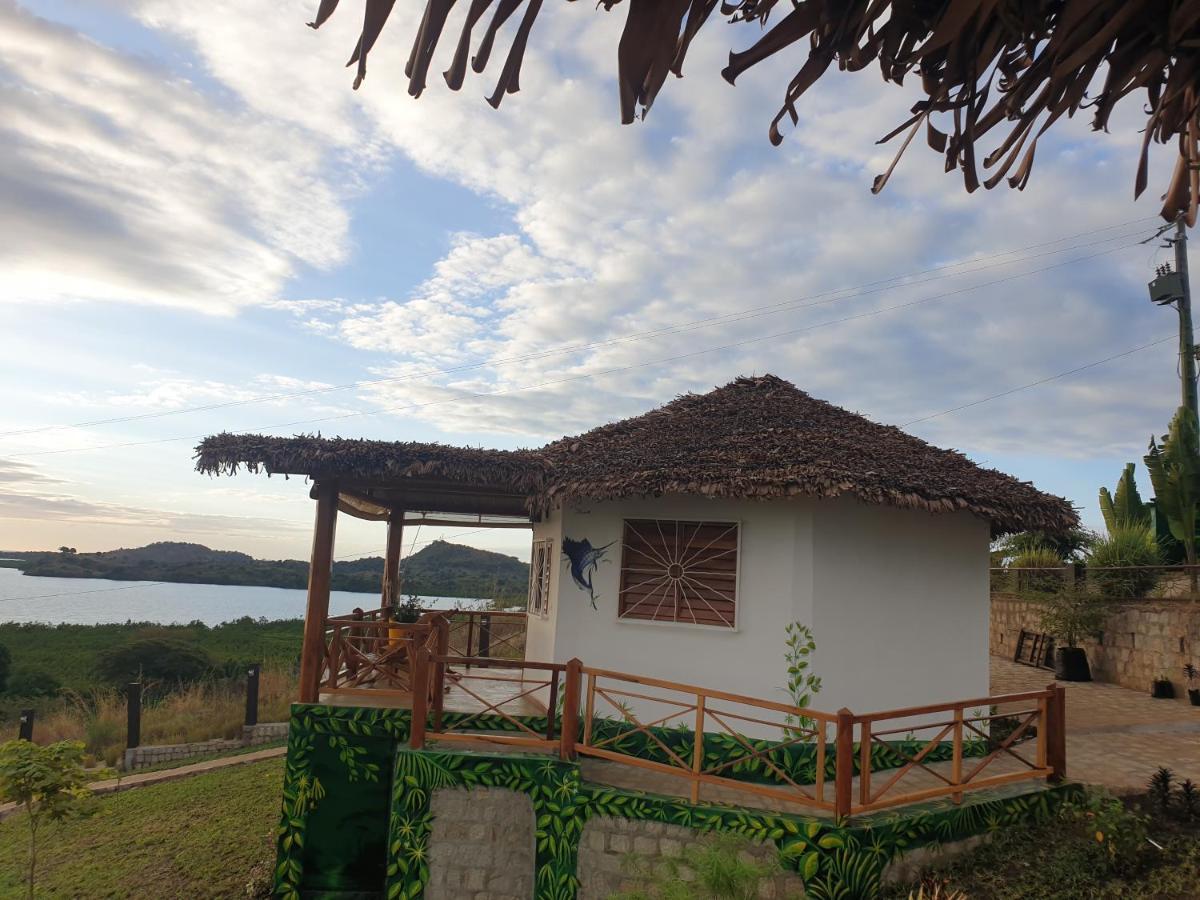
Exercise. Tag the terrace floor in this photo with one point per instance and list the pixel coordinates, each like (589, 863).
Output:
(1116, 737)
(479, 689)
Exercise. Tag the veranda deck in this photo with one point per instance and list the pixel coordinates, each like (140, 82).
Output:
(475, 694)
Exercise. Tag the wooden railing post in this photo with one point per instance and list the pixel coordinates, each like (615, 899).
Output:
(864, 763)
(570, 716)
(439, 670)
(420, 695)
(698, 748)
(356, 642)
(485, 635)
(843, 790)
(957, 755)
(1056, 733)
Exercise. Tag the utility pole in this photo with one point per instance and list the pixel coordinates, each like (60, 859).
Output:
(1171, 288)
(1187, 340)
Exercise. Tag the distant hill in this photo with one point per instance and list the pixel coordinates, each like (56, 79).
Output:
(439, 569)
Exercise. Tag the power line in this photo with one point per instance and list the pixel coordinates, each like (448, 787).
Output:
(588, 375)
(1041, 381)
(696, 324)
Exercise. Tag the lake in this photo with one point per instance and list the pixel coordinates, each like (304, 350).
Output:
(92, 601)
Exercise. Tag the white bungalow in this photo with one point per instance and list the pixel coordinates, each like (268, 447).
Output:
(681, 543)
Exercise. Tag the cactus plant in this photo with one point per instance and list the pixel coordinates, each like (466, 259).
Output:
(1125, 506)
(1174, 468)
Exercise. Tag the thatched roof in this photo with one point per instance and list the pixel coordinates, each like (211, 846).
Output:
(764, 438)
(518, 471)
(1017, 66)
(756, 437)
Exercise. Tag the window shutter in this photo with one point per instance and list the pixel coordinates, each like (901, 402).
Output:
(679, 571)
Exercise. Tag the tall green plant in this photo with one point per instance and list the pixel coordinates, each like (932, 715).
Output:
(1125, 507)
(802, 684)
(1071, 615)
(1122, 563)
(1174, 467)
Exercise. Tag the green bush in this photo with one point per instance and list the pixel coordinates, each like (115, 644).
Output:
(5, 667)
(33, 683)
(1071, 616)
(1038, 557)
(1125, 545)
(154, 659)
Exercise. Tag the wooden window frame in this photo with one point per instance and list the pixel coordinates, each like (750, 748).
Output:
(677, 523)
(539, 578)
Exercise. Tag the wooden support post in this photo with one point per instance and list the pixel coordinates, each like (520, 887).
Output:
(320, 571)
(698, 749)
(25, 725)
(552, 705)
(391, 559)
(133, 716)
(1056, 733)
(843, 790)
(589, 712)
(572, 689)
(252, 673)
(822, 738)
(957, 754)
(420, 695)
(864, 763)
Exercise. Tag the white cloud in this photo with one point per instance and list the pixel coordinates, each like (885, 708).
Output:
(120, 181)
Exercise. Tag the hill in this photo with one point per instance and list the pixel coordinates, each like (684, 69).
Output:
(440, 569)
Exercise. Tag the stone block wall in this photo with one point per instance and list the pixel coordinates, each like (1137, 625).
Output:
(156, 754)
(1140, 640)
(480, 845)
(616, 855)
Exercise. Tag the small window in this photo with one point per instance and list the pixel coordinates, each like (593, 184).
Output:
(539, 578)
(679, 571)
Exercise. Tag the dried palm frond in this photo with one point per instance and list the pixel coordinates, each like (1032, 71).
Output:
(1014, 65)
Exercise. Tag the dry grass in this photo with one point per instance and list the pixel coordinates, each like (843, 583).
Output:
(201, 711)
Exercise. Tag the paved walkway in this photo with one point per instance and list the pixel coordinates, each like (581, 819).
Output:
(141, 779)
(1116, 737)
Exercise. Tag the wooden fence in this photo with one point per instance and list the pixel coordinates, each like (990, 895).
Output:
(859, 762)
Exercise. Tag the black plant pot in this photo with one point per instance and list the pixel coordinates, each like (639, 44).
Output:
(1162, 690)
(1071, 664)
(1194, 696)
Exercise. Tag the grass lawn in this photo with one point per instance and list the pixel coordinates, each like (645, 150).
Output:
(198, 837)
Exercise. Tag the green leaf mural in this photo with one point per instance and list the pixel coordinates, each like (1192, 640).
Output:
(843, 860)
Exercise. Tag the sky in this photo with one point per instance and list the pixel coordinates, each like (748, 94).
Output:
(205, 229)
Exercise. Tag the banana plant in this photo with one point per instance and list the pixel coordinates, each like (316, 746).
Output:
(1126, 506)
(1174, 466)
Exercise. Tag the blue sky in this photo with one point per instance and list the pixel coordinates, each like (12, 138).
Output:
(199, 210)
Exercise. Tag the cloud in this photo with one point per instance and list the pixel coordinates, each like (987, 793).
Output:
(120, 181)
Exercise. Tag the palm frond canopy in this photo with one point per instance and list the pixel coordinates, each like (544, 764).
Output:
(1000, 72)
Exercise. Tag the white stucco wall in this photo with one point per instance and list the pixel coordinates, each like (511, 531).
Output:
(898, 601)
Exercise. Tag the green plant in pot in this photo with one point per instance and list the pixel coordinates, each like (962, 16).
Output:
(1070, 616)
(1192, 674)
(1162, 689)
(408, 612)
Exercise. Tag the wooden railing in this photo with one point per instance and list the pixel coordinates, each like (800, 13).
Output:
(377, 657)
(487, 633)
(840, 763)
(496, 701)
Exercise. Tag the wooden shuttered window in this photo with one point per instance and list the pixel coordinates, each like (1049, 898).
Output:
(678, 571)
(540, 561)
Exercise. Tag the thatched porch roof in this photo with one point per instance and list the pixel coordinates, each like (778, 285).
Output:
(758, 438)
(996, 74)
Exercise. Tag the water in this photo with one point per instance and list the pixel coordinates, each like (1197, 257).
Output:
(93, 601)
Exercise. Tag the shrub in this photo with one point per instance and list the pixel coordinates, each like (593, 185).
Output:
(154, 659)
(1071, 615)
(1124, 546)
(5, 667)
(1039, 557)
(33, 683)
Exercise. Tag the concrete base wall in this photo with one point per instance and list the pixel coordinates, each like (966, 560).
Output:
(1140, 640)
(252, 736)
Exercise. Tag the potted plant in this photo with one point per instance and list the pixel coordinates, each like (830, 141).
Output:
(1069, 616)
(1162, 689)
(1192, 674)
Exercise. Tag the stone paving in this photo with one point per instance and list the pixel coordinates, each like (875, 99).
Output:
(1116, 737)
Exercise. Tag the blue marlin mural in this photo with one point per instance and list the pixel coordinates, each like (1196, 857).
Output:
(585, 559)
